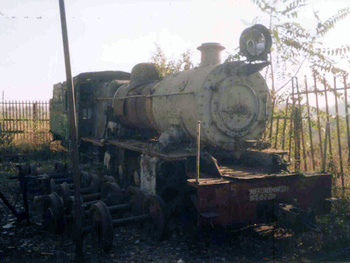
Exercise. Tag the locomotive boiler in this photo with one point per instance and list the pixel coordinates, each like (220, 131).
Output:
(144, 130)
(231, 100)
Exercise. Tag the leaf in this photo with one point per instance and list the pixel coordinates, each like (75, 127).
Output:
(168, 66)
(324, 28)
(275, 36)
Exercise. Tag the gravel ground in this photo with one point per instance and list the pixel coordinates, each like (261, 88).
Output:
(264, 243)
(22, 243)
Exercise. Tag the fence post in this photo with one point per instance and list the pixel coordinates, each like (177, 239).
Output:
(3, 115)
(301, 129)
(309, 122)
(338, 132)
(318, 117)
(325, 148)
(291, 123)
(327, 115)
(35, 121)
(297, 129)
(347, 117)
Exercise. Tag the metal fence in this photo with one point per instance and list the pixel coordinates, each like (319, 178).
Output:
(312, 124)
(25, 122)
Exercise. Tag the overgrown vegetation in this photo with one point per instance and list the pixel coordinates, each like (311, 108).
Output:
(295, 45)
(167, 66)
(29, 151)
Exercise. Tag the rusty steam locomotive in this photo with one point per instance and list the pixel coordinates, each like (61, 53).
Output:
(145, 130)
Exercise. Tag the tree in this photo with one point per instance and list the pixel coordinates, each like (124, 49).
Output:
(294, 45)
(168, 66)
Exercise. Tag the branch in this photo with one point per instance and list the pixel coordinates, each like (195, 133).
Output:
(296, 73)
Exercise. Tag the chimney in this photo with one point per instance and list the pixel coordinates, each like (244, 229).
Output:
(210, 53)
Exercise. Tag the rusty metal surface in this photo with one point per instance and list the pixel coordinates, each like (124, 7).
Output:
(103, 231)
(139, 109)
(208, 181)
(225, 201)
(93, 141)
(269, 151)
(73, 135)
(144, 147)
(104, 90)
(144, 107)
(230, 104)
(301, 127)
(53, 210)
(113, 194)
(338, 132)
(148, 173)
(130, 102)
(210, 53)
(98, 81)
(118, 105)
(239, 172)
(310, 126)
(212, 103)
(313, 118)
(235, 109)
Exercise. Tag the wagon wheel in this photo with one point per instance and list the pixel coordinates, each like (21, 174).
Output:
(94, 186)
(101, 221)
(155, 207)
(108, 179)
(53, 212)
(65, 192)
(113, 194)
(85, 179)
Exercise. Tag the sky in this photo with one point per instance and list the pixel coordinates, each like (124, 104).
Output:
(117, 34)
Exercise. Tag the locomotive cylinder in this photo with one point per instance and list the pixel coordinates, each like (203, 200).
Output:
(231, 100)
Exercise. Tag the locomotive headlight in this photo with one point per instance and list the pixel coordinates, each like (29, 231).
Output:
(255, 43)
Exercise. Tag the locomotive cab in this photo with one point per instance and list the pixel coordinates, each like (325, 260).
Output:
(90, 111)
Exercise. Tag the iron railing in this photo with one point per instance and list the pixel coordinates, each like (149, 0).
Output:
(304, 118)
(25, 121)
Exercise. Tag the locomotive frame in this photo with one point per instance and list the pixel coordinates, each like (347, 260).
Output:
(253, 187)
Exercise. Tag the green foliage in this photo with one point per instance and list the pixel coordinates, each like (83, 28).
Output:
(168, 66)
(235, 56)
(323, 28)
(282, 135)
(335, 226)
(5, 139)
(294, 44)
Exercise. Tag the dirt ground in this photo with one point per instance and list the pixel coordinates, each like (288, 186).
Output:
(20, 242)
